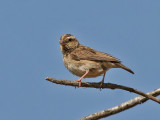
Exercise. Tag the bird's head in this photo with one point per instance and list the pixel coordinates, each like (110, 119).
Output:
(68, 42)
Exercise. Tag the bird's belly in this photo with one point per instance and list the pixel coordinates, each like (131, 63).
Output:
(92, 73)
(79, 68)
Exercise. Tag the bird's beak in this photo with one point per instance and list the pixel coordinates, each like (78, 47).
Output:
(62, 43)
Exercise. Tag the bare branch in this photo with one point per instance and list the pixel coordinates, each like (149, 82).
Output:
(105, 85)
(120, 108)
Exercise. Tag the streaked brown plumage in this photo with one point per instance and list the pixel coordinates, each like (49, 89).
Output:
(86, 62)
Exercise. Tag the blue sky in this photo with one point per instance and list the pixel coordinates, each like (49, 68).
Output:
(29, 49)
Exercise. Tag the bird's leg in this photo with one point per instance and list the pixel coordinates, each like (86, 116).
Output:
(102, 80)
(80, 79)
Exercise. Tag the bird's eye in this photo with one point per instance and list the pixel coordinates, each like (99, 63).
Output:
(70, 39)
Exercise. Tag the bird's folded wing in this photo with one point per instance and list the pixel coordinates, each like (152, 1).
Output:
(86, 53)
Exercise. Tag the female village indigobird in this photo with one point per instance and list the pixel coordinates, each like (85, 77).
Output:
(86, 62)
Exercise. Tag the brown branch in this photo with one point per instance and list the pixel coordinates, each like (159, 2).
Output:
(105, 85)
(120, 108)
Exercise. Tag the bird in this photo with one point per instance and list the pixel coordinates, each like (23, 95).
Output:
(86, 62)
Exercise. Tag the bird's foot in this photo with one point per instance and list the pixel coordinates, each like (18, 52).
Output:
(101, 84)
(79, 82)
(80, 79)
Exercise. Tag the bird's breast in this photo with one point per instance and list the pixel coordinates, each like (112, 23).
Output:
(79, 68)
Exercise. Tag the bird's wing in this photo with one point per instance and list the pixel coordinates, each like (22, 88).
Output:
(86, 53)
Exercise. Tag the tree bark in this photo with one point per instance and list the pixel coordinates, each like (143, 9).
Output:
(124, 106)
(105, 85)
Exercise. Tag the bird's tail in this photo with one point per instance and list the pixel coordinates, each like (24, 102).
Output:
(124, 67)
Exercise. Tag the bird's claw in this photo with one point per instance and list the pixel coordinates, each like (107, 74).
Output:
(79, 82)
(101, 85)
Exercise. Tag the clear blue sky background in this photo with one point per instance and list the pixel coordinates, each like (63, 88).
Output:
(29, 51)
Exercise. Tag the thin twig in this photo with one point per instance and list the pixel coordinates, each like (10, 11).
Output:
(120, 108)
(105, 85)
